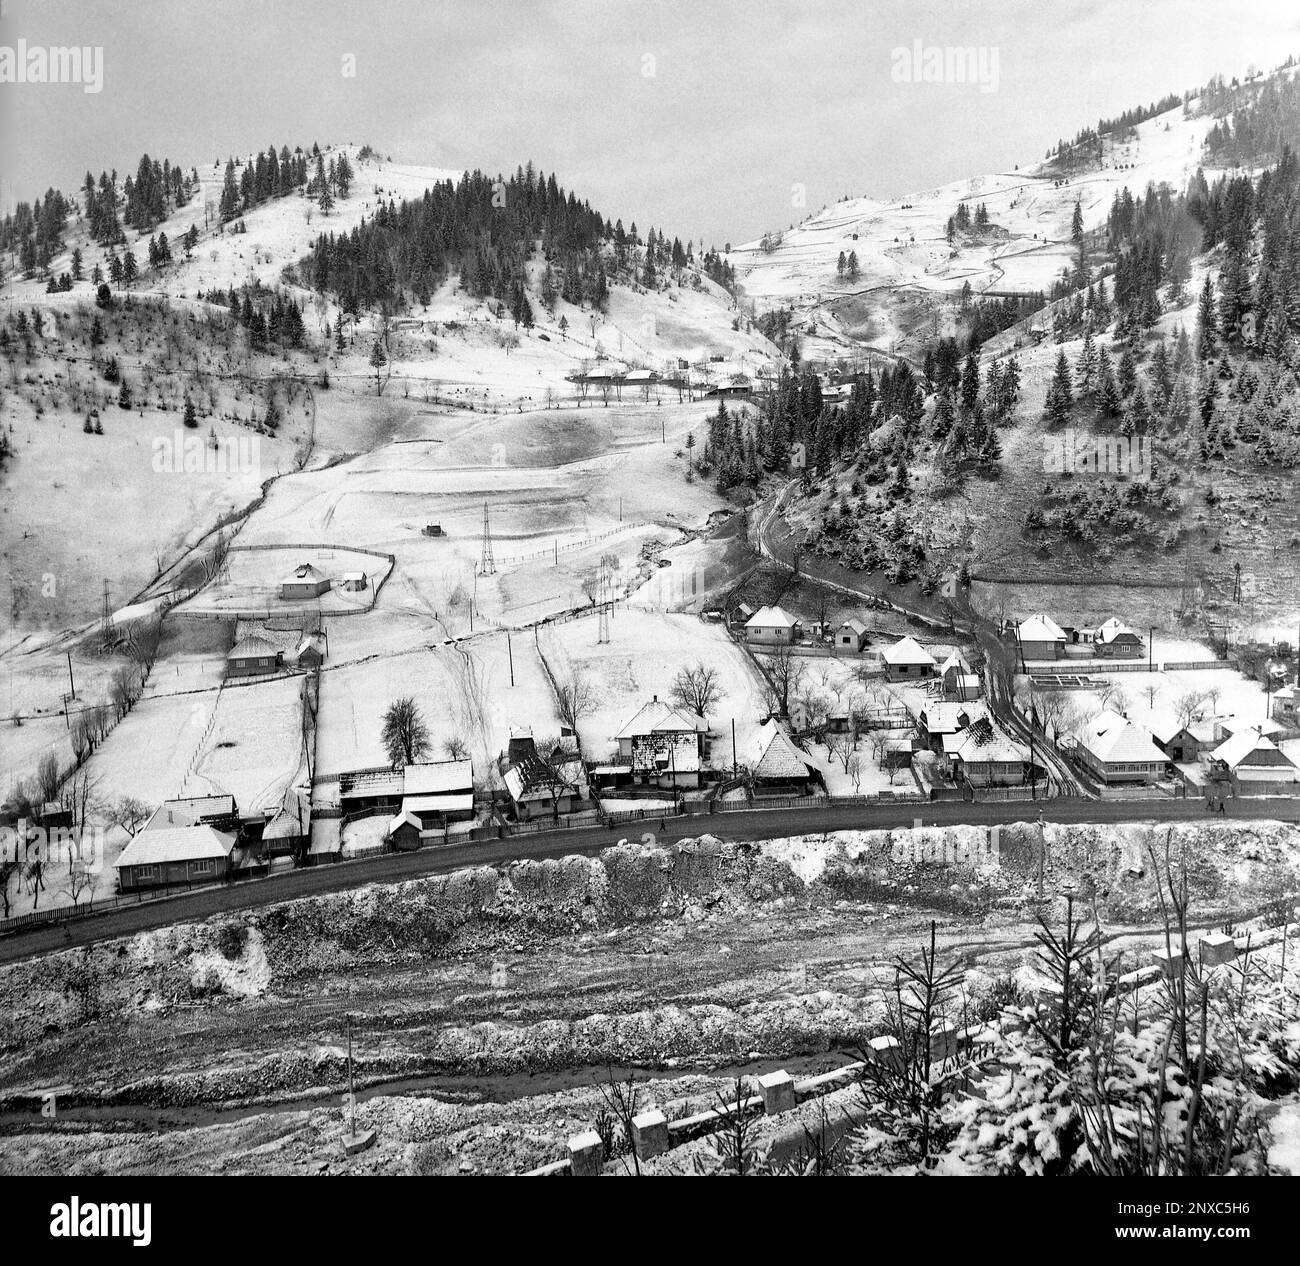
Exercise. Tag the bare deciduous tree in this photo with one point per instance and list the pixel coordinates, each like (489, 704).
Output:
(697, 689)
(405, 736)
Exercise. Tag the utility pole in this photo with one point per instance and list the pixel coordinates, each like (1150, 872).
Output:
(1151, 647)
(72, 684)
(488, 564)
(510, 652)
(734, 764)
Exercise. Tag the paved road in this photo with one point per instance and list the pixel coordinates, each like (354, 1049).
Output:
(745, 825)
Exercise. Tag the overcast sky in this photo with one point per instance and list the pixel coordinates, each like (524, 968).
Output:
(696, 116)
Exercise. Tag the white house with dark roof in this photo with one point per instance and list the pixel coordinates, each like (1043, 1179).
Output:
(305, 581)
(851, 635)
(772, 626)
(1115, 750)
(959, 680)
(1040, 637)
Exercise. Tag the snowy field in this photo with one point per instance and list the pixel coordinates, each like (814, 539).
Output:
(645, 652)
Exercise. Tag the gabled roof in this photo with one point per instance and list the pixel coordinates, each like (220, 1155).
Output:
(772, 618)
(438, 778)
(778, 755)
(1113, 630)
(1114, 739)
(855, 624)
(1040, 628)
(312, 642)
(907, 650)
(958, 661)
(253, 647)
(1235, 724)
(946, 718)
(658, 717)
(177, 844)
(1247, 744)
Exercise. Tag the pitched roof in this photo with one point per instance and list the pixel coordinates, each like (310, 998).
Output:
(907, 650)
(1245, 744)
(1114, 629)
(438, 777)
(304, 572)
(1040, 628)
(981, 742)
(1235, 724)
(178, 844)
(855, 624)
(253, 647)
(958, 661)
(1114, 739)
(945, 718)
(772, 618)
(189, 812)
(778, 755)
(658, 717)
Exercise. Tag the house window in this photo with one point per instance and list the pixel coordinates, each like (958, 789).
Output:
(205, 866)
(143, 873)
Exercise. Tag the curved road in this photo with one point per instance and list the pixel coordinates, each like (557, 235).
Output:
(751, 824)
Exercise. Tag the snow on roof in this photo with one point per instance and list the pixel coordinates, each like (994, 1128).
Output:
(304, 572)
(1040, 628)
(253, 647)
(772, 618)
(438, 777)
(188, 812)
(779, 757)
(1229, 726)
(313, 641)
(946, 718)
(178, 844)
(354, 575)
(982, 742)
(658, 717)
(958, 661)
(1237, 750)
(855, 624)
(1114, 739)
(907, 650)
(1114, 629)
(450, 802)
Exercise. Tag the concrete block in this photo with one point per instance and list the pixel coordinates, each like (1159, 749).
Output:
(1216, 949)
(650, 1134)
(887, 1052)
(943, 1043)
(586, 1154)
(777, 1090)
(355, 1143)
(1170, 962)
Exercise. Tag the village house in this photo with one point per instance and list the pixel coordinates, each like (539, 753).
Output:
(354, 582)
(538, 784)
(306, 581)
(167, 858)
(771, 626)
(310, 651)
(1114, 640)
(939, 721)
(1226, 727)
(780, 766)
(1184, 743)
(851, 635)
(1115, 750)
(1040, 637)
(253, 656)
(664, 745)
(907, 660)
(378, 789)
(958, 681)
(983, 756)
(1256, 763)
(287, 828)
(1286, 707)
